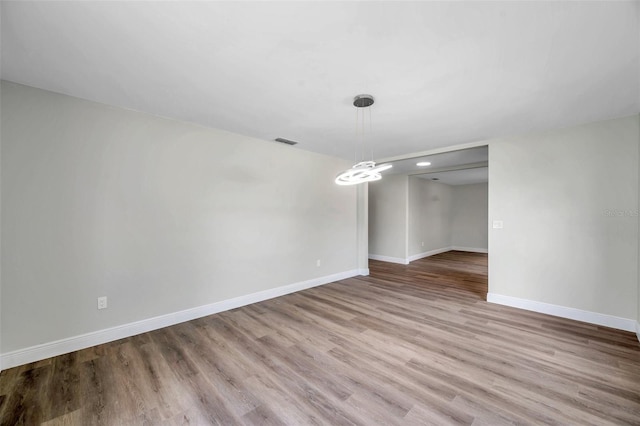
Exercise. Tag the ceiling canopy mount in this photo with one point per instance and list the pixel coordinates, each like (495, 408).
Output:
(363, 101)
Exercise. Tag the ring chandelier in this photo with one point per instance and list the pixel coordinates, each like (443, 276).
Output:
(364, 171)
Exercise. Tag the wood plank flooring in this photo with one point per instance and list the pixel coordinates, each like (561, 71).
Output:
(413, 344)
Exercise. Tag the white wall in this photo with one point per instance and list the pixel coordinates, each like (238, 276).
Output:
(430, 215)
(388, 218)
(570, 238)
(469, 223)
(1, 363)
(158, 215)
(363, 229)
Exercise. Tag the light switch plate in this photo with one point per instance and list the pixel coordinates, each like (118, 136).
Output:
(102, 302)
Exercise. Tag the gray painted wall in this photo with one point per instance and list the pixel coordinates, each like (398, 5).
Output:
(433, 216)
(158, 215)
(430, 215)
(1, 367)
(470, 216)
(567, 199)
(388, 216)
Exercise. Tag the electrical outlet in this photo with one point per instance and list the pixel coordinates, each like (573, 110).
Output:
(102, 302)
(497, 224)
(318, 262)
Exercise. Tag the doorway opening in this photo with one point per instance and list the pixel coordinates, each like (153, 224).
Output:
(434, 206)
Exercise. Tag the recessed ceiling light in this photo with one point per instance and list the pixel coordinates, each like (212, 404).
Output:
(423, 164)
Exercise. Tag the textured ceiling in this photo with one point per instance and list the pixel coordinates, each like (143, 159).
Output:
(442, 73)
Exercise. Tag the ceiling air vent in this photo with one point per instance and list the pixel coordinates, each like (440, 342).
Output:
(286, 141)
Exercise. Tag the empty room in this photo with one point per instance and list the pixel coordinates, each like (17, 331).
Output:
(305, 212)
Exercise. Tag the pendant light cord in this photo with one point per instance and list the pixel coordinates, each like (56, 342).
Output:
(370, 132)
(358, 140)
(363, 141)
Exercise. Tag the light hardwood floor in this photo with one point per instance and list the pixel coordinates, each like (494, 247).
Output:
(412, 344)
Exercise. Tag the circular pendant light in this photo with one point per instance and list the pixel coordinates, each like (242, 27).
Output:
(364, 171)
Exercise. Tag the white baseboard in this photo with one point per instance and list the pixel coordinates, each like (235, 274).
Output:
(63, 346)
(389, 259)
(565, 312)
(364, 272)
(470, 249)
(428, 253)
(425, 254)
(638, 331)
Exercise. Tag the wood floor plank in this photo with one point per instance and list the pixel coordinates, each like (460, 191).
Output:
(409, 344)
(288, 408)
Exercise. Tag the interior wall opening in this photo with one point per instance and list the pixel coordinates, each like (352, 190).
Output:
(431, 205)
